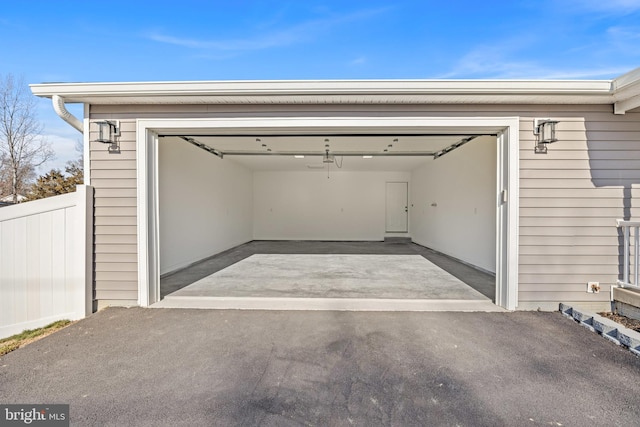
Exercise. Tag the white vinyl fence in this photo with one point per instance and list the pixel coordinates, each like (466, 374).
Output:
(46, 261)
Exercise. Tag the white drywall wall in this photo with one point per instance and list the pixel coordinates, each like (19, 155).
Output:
(454, 203)
(305, 205)
(205, 204)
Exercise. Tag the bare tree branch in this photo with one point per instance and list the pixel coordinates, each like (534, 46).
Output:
(22, 146)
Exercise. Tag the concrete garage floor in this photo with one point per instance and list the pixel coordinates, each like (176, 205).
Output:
(330, 275)
(174, 367)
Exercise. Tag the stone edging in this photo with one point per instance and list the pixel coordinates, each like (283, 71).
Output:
(609, 329)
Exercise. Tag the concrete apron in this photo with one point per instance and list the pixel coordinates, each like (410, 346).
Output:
(331, 282)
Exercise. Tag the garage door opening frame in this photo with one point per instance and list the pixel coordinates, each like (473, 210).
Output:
(506, 129)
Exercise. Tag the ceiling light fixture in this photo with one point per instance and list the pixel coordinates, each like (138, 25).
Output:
(298, 156)
(367, 157)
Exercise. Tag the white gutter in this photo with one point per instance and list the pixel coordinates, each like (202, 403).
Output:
(626, 89)
(623, 92)
(76, 92)
(61, 110)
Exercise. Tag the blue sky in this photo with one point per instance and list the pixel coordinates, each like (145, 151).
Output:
(85, 41)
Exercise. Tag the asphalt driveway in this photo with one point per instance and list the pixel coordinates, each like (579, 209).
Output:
(150, 367)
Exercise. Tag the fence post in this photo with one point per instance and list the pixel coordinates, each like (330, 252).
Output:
(83, 236)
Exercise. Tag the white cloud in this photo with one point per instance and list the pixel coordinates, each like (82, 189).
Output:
(65, 150)
(493, 61)
(614, 7)
(582, 74)
(519, 58)
(478, 65)
(295, 34)
(62, 137)
(626, 39)
(475, 65)
(272, 40)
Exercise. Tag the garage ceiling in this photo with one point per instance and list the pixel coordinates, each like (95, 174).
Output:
(284, 152)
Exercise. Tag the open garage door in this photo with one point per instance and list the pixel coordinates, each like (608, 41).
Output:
(219, 189)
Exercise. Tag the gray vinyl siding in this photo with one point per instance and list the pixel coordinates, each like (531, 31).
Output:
(569, 201)
(569, 198)
(113, 176)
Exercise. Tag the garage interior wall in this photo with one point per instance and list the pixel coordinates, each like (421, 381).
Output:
(306, 205)
(453, 202)
(205, 204)
(208, 204)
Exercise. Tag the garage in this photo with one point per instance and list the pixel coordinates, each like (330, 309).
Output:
(555, 209)
(379, 215)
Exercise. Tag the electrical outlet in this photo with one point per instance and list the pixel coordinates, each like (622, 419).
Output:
(593, 287)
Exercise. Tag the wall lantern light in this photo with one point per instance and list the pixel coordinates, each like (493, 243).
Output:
(545, 130)
(108, 130)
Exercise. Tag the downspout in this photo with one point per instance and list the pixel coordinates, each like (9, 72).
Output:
(85, 228)
(61, 110)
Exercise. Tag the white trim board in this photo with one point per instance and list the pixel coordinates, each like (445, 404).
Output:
(328, 304)
(507, 129)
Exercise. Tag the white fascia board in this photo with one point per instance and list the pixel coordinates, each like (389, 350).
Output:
(442, 91)
(626, 92)
(630, 78)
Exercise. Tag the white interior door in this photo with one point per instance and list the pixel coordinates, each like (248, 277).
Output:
(397, 207)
